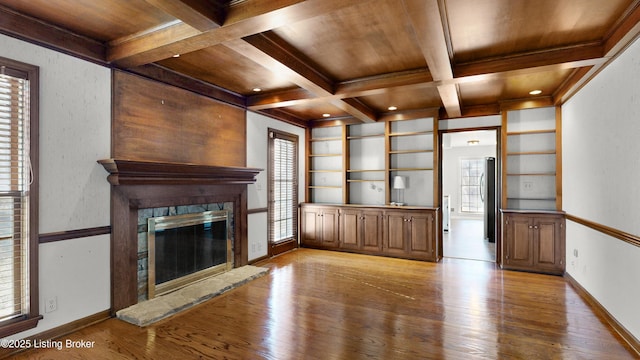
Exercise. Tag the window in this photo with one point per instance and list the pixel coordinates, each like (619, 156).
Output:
(283, 191)
(471, 173)
(18, 197)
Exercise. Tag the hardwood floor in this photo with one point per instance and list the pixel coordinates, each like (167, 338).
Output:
(318, 304)
(465, 240)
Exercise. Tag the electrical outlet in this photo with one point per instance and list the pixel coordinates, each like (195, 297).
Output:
(51, 304)
(528, 185)
(575, 252)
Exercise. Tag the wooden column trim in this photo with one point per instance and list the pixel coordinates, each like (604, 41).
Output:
(558, 158)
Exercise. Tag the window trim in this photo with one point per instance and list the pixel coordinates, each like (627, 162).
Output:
(29, 320)
(290, 243)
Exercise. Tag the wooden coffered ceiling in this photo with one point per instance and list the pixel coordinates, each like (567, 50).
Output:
(349, 59)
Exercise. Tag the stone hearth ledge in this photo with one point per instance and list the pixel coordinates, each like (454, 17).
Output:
(161, 307)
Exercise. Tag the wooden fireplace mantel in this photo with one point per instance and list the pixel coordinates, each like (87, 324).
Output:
(146, 184)
(132, 172)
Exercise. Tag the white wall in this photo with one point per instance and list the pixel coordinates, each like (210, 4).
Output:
(257, 157)
(601, 168)
(75, 122)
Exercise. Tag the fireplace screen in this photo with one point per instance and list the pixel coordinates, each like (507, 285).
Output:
(186, 248)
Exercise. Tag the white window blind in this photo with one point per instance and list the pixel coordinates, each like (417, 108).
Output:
(14, 196)
(283, 185)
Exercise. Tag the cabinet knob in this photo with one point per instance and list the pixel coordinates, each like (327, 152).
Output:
(535, 227)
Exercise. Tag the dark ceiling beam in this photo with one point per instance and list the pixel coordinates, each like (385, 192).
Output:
(429, 29)
(621, 35)
(577, 78)
(243, 19)
(377, 84)
(170, 77)
(566, 57)
(575, 57)
(271, 47)
(373, 85)
(203, 15)
(624, 31)
(35, 31)
(279, 99)
(284, 116)
(271, 52)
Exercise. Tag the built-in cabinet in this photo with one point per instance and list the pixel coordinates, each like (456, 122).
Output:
(534, 241)
(406, 232)
(319, 226)
(532, 223)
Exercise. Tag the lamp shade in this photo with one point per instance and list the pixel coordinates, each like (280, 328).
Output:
(398, 182)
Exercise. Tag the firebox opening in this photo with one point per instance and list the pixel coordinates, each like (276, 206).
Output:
(187, 248)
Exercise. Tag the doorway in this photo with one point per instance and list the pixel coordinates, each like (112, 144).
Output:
(469, 194)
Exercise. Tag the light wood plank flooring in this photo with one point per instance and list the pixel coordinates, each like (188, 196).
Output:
(328, 305)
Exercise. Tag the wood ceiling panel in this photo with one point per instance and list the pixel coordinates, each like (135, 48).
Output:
(490, 28)
(359, 41)
(350, 59)
(404, 99)
(103, 20)
(223, 67)
(498, 89)
(313, 110)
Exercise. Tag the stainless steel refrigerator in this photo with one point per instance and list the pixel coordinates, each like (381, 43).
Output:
(488, 182)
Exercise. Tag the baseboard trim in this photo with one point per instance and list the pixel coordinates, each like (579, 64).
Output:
(631, 340)
(253, 261)
(61, 331)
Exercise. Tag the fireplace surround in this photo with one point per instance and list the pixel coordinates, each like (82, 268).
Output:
(139, 185)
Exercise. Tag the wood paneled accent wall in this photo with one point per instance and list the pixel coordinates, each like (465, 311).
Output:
(158, 122)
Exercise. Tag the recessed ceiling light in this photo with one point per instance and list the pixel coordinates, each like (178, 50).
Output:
(392, 108)
(535, 92)
(176, 55)
(257, 89)
(326, 115)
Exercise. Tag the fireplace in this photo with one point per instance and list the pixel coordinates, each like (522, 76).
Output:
(142, 189)
(186, 248)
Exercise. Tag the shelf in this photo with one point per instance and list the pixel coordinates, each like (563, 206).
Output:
(325, 171)
(412, 133)
(353, 171)
(531, 132)
(324, 155)
(324, 187)
(411, 169)
(532, 174)
(550, 152)
(362, 181)
(359, 137)
(532, 199)
(409, 151)
(327, 139)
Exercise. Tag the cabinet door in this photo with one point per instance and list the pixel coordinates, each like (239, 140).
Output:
(421, 230)
(310, 231)
(350, 229)
(329, 220)
(395, 233)
(549, 244)
(371, 230)
(519, 241)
